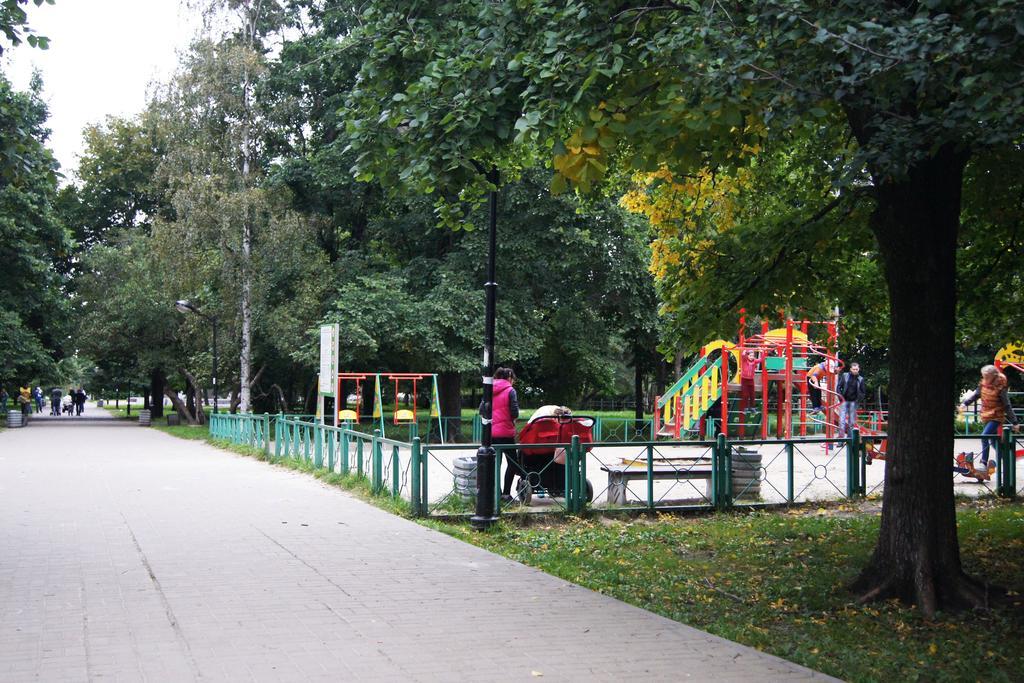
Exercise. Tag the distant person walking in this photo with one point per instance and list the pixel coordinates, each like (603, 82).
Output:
(25, 400)
(995, 406)
(55, 395)
(37, 396)
(852, 391)
(79, 401)
(4, 399)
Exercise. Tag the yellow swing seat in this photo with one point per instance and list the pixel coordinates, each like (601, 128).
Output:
(404, 416)
(348, 416)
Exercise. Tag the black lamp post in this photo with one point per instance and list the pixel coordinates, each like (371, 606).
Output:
(187, 307)
(485, 457)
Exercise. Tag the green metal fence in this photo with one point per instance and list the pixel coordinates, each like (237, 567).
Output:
(244, 429)
(439, 479)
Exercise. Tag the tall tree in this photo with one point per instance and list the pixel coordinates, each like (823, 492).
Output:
(34, 245)
(921, 86)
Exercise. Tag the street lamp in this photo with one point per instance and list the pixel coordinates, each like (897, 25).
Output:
(486, 460)
(185, 306)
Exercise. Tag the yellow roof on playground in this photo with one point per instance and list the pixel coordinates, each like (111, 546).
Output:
(781, 332)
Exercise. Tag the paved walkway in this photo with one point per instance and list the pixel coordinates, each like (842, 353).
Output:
(127, 554)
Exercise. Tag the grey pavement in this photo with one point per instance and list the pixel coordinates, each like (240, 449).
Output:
(130, 555)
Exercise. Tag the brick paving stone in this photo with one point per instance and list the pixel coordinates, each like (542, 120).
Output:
(130, 555)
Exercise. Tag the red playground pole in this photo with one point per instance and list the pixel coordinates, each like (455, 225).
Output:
(789, 379)
(724, 362)
(764, 381)
(803, 385)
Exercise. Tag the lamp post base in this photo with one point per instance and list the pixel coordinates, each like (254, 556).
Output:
(482, 523)
(485, 475)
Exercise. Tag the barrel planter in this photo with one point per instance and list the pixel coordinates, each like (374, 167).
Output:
(464, 469)
(15, 419)
(746, 473)
(173, 419)
(145, 417)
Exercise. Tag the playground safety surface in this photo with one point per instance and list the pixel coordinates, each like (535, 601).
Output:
(128, 554)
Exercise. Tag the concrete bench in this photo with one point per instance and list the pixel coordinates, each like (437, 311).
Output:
(619, 477)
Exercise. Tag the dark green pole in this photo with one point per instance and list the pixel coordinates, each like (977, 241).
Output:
(485, 459)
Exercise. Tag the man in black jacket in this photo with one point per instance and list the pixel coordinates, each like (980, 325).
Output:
(852, 391)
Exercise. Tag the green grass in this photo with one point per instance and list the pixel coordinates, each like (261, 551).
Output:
(776, 582)
(360, 486)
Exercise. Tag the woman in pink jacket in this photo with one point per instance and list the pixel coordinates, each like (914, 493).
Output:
(504, 411)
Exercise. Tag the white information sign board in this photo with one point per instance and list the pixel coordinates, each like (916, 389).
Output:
(328, 359)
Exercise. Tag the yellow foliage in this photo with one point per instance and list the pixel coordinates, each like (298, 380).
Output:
(685, 212)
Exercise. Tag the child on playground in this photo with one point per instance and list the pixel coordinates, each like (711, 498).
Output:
(749, 363)
(815, 383)
(995, 406)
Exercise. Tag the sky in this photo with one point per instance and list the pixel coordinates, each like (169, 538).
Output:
(103, 55)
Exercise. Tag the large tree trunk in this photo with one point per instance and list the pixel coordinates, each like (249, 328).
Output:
(450, 394)
(157, 381)
(917, 558)
(195, 401)
(179, 406)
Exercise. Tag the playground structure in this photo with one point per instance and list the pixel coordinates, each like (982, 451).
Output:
(409, 416)
(710, 391)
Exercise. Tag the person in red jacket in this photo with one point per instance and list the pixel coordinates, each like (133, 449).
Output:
(504, 411)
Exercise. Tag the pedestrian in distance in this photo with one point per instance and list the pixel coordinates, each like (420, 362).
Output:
(67, 404)
(55, 395)
(852, 391)
(995, 407)
(4, 399)
(79, 401)
(25, 401)
(37, 397)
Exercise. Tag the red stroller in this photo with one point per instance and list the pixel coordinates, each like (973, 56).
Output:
(538, 471)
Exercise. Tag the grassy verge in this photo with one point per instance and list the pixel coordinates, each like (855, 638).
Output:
(360, 486)
(775, 581)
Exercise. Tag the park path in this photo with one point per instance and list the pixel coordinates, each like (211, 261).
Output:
(127, 554)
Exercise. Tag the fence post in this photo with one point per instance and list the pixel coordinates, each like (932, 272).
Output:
(852, 466)
(277, 437)
(1011, 471)
(583, 476)
(359, 456)
(424, 484)
(598, 428)
(650, 477)
(578, 489)
(396, 463)
(1006, 461)
(721, 473)
(789, 472)
(477, 429)
(331, 436)
(415, 505)
(344, 451)
(318, 445)
(266, 434)
(377, 482)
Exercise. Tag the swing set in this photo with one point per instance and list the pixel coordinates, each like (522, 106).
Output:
(400, 416)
